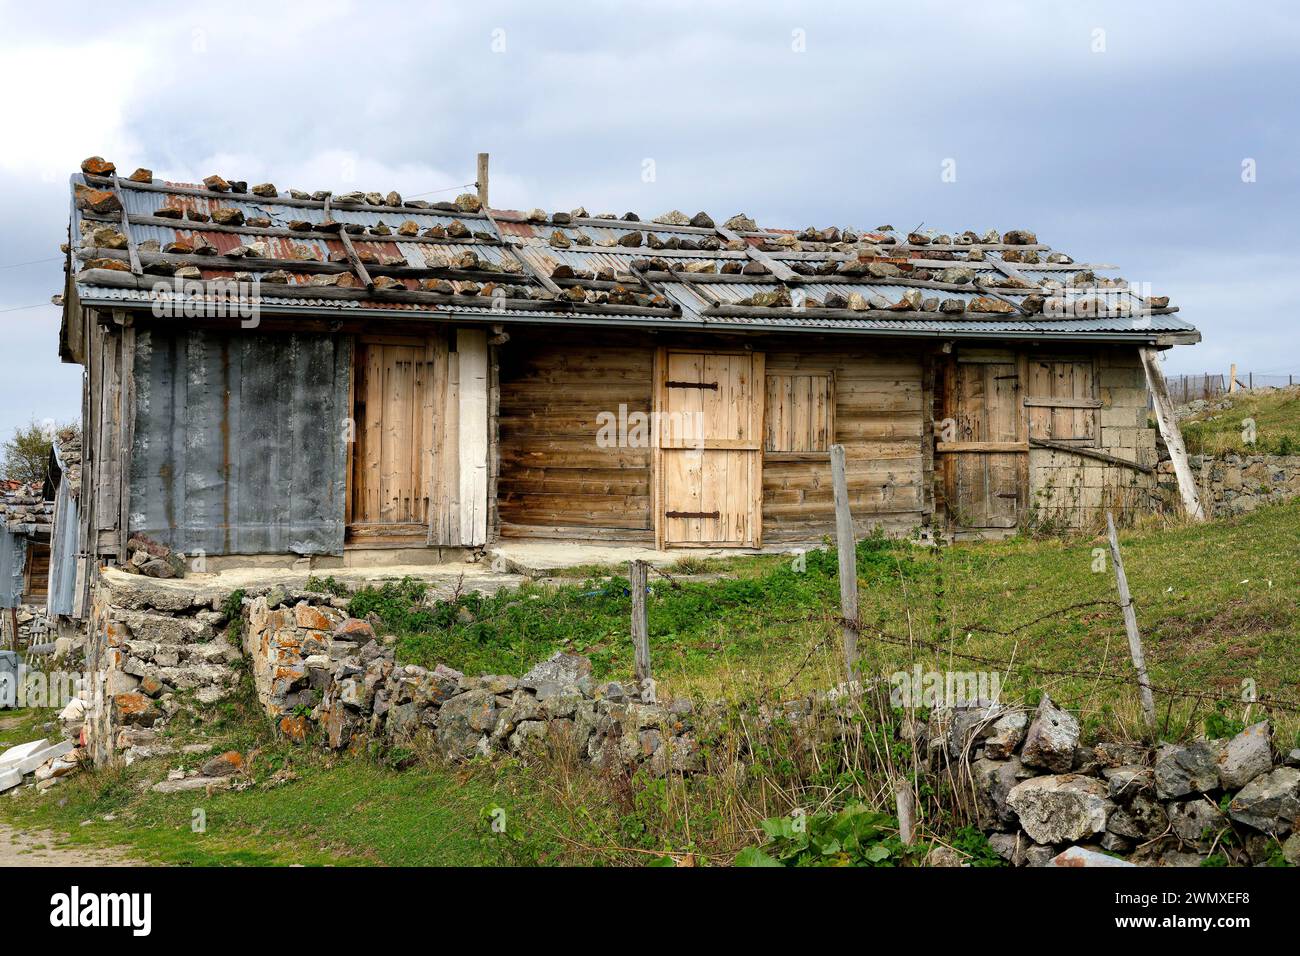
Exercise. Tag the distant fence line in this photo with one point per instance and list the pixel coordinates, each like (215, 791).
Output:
(1207, 385)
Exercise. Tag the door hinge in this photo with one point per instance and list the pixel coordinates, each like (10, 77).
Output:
(709, 385)
(691, 514)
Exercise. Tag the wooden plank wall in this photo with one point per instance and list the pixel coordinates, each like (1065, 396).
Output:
(881, 419)
(554, 478)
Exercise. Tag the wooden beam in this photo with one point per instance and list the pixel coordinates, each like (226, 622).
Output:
(132, 251)
(1063, 403)
(357, 265)
(1164, 409)
(427, 210)
(524, 263)
(124, 280)
(961, 447)
(638, 573)
(1085, 452)
(282, 233)
(778, 269)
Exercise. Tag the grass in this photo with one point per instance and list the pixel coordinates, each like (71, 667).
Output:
(1276, 413)
(1216, 605)
(304, 808)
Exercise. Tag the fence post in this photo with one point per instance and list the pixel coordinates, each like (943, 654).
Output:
(848, 560)
(903, 801)
(1232, 378)
(638, 576)
(1131, 625)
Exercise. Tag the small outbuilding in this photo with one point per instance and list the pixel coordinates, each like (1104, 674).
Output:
(342, 376)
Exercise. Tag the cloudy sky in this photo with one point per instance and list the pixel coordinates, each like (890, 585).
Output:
(1161, 137)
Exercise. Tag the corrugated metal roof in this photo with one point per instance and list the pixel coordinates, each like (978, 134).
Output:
(529, 243)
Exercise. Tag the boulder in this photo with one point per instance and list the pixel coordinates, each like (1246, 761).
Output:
(994, 780)
(1060, 808)
(1078, 856)
(464, 722)
(1006, 734)
(1140, 818)
(224, 765)
(557, 674)
(1270, 803)
(1184, 769)
(1196, 822)
(1051, 739)
(1247, 755)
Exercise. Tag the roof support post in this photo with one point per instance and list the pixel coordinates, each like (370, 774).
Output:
(1164, 408)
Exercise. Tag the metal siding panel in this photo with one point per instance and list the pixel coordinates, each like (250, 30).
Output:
(63, 553)
(238, 448)
(13, 557)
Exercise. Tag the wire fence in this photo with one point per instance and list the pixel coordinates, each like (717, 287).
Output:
(1211, 385)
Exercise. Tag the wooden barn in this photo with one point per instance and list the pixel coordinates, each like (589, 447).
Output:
(282, 373)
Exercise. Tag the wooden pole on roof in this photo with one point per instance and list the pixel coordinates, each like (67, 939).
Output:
(481, 180)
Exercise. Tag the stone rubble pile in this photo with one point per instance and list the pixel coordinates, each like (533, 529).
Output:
(148, 557)
(1037, 790)
(24, 510)
(46, 763)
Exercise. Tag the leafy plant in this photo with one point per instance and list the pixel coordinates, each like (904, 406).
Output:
(1220, 723)
(854, 836)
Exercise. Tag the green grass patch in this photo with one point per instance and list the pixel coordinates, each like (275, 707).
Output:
(1276, 415)
(1216, 605)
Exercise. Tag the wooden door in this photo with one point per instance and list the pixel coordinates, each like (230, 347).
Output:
(710, 429)
(987, 458)
(394, 388)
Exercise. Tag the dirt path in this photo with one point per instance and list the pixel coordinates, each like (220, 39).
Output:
(38, 848)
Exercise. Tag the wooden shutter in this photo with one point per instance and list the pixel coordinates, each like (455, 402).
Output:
(1062, 400)
(800, 412)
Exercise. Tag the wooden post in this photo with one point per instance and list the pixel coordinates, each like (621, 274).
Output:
(1232, 378)
(848, 560)
(1131, 625)
(1164, 409)
(638, 575)
(903, 800)
(482, 179)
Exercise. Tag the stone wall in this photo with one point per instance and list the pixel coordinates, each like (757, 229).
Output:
(1037, 791)
(322, 675)
(149, 650)
(1237, 484)
(1070, 491)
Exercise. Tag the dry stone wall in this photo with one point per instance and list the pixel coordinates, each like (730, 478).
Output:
(150, 650)
(1238, 484)
(1040, 795)
(1037, 790)
(322, 675)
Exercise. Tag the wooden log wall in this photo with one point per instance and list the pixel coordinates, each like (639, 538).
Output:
(555, 481)
(881, 420)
